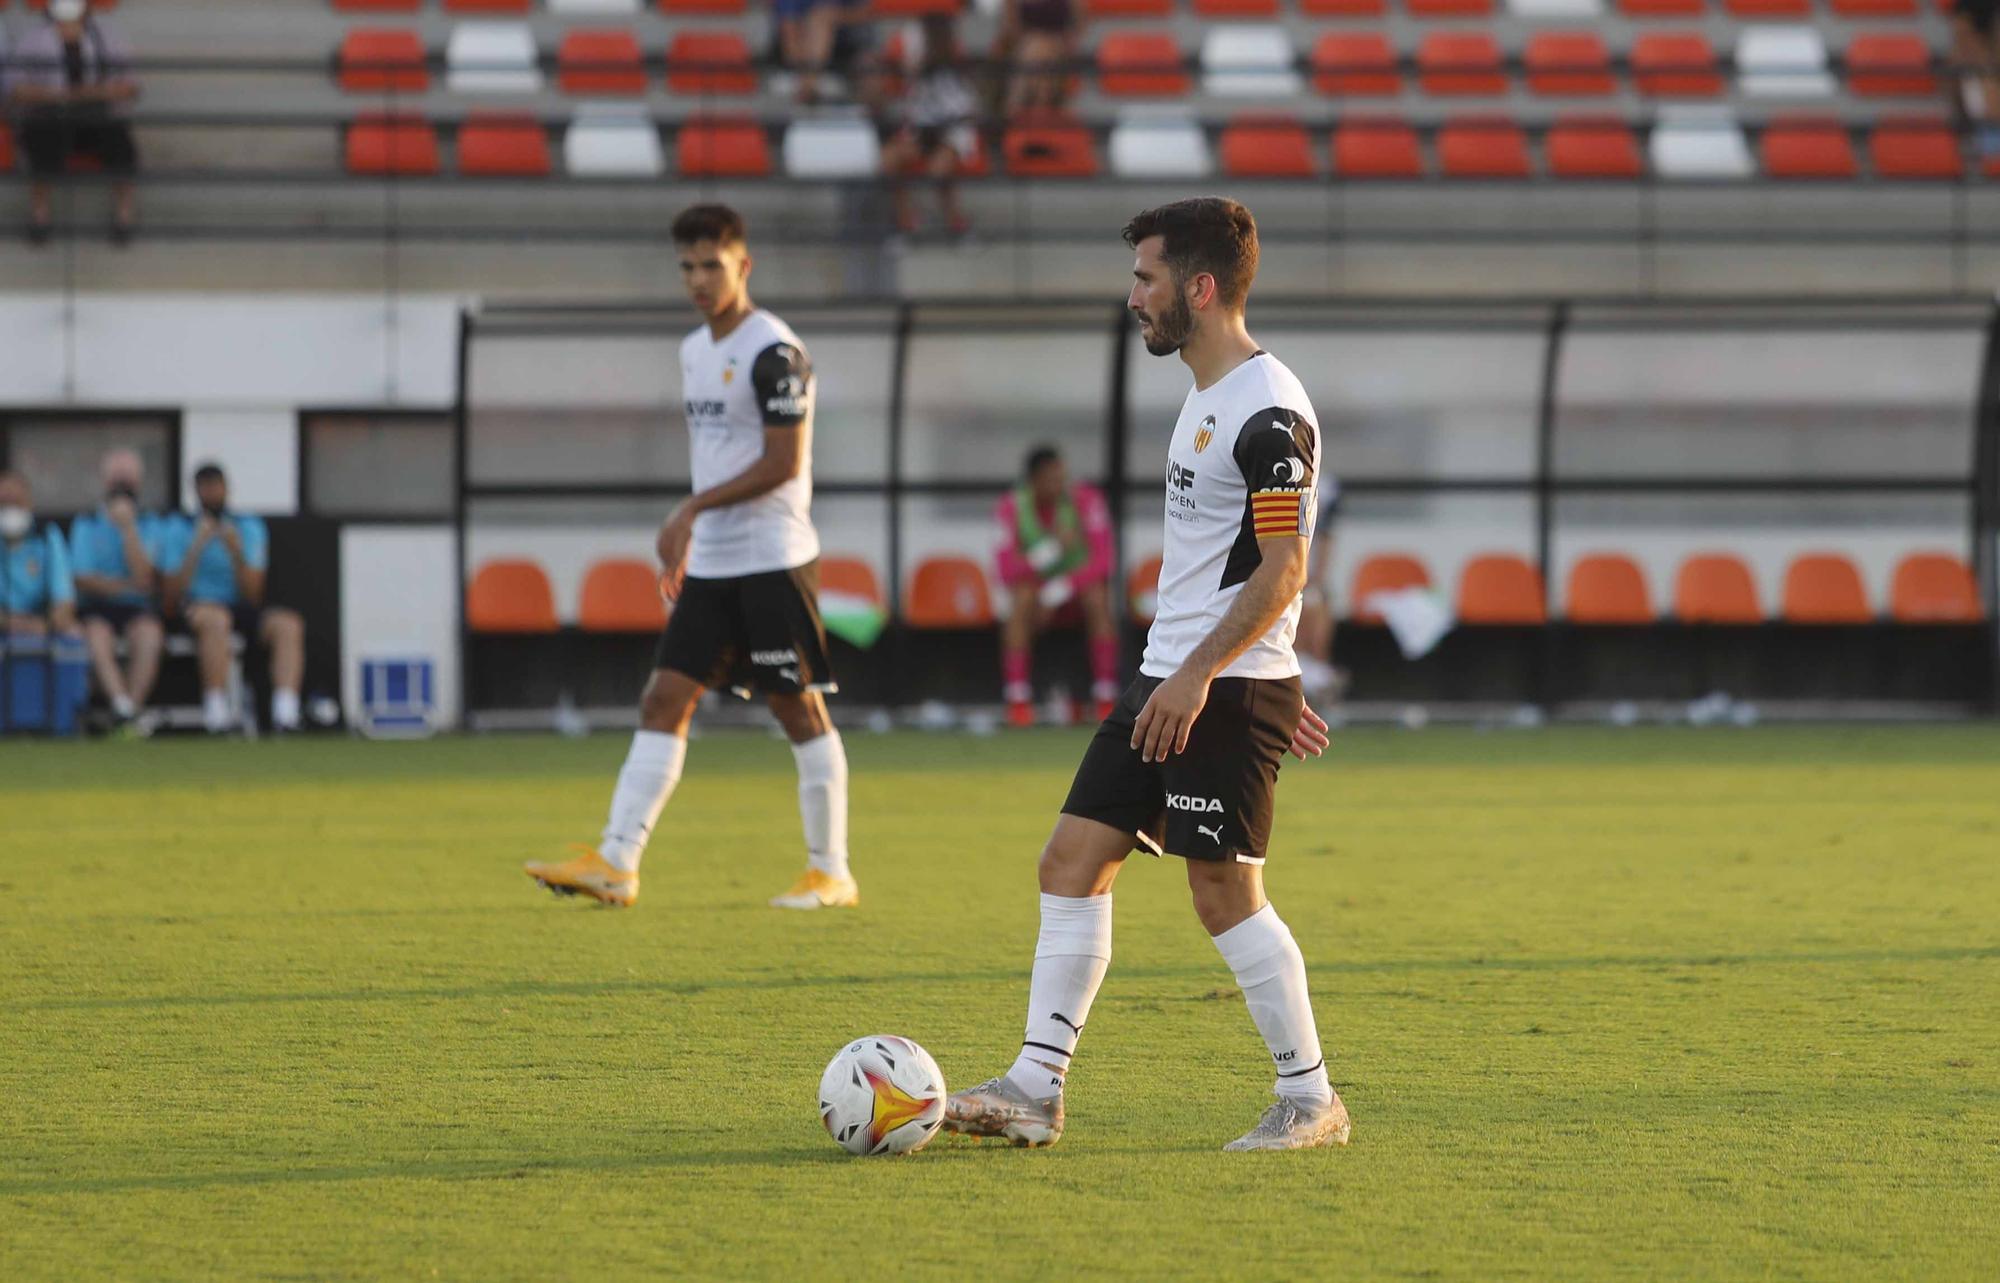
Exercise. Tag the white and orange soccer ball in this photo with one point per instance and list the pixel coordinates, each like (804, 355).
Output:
(881, 1095)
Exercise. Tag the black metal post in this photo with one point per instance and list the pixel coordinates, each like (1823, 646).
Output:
(1547, 652)
(461, 476)
(1985, 516)
(899, 365)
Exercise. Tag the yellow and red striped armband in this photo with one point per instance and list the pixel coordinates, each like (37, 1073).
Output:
(1275, 514)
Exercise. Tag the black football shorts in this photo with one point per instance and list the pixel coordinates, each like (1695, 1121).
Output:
(754, 634)
(1214, 800)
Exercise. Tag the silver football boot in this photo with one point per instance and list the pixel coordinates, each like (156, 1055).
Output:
(997, 1107)
(1292, 1124)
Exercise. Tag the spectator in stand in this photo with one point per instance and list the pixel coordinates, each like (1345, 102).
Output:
(72, 75)
(213, 568)
(1325, 682)
(37, 595)
(808, 32)
(115, 582)
(1039, 40)
(1055, 560)
(1975, 40)
(938, 132)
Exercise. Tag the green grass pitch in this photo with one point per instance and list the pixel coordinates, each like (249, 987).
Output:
(1652, 1004)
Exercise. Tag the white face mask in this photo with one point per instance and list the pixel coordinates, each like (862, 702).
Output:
(15, 521)
(67, 10)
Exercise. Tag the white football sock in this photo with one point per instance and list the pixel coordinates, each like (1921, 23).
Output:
(285, 709)
(823, 802)
(645, 782)
(215, 710)
(1272, 974)
(1071, 956)
(123, 706)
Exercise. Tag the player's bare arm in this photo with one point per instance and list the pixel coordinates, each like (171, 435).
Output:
(1168, 717)
(785, 452)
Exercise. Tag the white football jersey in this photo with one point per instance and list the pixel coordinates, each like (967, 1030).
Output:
(756, 377)
(1242, 465)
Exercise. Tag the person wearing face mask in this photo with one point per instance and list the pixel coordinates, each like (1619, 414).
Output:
(37, 594)
(213, 570)
(71, 76)
(115, 580)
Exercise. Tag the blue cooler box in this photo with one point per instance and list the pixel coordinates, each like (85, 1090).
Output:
(44, 682)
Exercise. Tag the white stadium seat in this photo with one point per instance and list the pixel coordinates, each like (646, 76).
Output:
(492, 58)
(1249, 62)
(1147, 145)
(832, 147)
(1782, 62)
(1544, 9)
(1700, 143)
(613, 140)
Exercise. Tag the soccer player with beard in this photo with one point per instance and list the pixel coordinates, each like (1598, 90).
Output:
(742, 559)
(1187, 763)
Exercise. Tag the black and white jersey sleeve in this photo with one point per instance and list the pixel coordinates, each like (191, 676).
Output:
(781, 377)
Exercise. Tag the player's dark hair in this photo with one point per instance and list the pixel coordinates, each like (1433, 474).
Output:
(717, 223)
(208, 472)
(1040, 457)
(1210, 234)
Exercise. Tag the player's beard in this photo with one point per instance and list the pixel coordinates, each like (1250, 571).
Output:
(1170, 331)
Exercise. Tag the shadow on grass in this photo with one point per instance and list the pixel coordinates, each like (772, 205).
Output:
(526, 989)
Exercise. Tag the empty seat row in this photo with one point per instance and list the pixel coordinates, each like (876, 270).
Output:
(503, 58)
(1713, 588)
(1749, 10)
(1776, 61)
(553, 6)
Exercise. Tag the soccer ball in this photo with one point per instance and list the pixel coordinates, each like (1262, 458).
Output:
(881, 1095)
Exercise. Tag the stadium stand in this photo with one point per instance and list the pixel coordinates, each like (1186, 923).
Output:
(621, 596)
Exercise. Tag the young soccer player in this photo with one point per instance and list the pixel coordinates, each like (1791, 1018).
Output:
(741, 558)
(1187, 763)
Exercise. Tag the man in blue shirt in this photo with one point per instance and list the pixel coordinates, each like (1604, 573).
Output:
(36, 593)
(212, 568)
(112, 554)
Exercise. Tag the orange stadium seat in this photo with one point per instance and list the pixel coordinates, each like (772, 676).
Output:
(488, 6)
(1675, 64)
(911, 8)
(1384, 572)
(496, 145)
(6, 150)
(1875, 8)
(1824, 588)
(1141, 64)
(510, 597)
(948, 592)
(1359, 64)
(1568, 64)
(1449, 8)
(710, 62)
(1607, 588)
(1379, 148)
(1890, 65)
(1236, 8)
(852, 576)
(1501, 589)
(1766, 10)
(600, 61)
(1662, 8)
(621, 596)
(1483, 147)
(1807, 148)
(1933, 588)
(377, 6)
(1049, 147)
(383, 143)
(1266, 147)
(1716, 588)
(1581, 147)
(1460, 64)
(1915, 148)
(1343, 8)
(705, 6)
(719, 148)
(381, 60)
(1142, 590)
(1128, 8)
